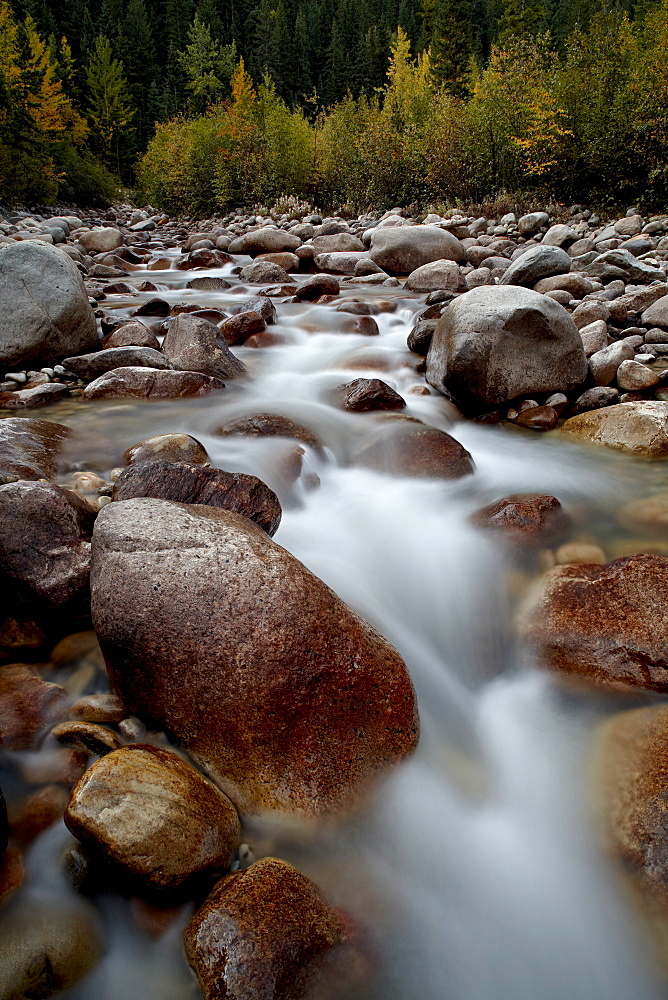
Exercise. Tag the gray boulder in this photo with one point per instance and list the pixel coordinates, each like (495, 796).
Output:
(539, 262)
(44, 309)
(402, 249)
(496, 343)
(193, 344)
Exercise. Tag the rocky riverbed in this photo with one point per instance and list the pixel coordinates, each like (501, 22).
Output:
(241, 460)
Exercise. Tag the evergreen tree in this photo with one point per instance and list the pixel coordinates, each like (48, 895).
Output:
(109, 107)
(451, 47)
(207, 65)
(521, 19)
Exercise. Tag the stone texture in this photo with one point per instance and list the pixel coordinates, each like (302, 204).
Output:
(203, 258)
(525, 519)
(149, 383)
(317, 285)
(90, 366)
(168, 448)
(262, 272)
(410, 448)
(265, 240)
(88, 737)
(44, 308)
(657, 313)
(101, 240)
(603, 364)
(262, 934)
(402, 249)
(594, 399)
(270, 425)
(45, 533)
(152, 814)
(132, 334)
(27, 706)
(237, 329)
(496, 343)
(538, 262)
(363, 394)
(193, 344)
(194, 484)
(605, 625)
(639, 428)
(538, 418)
(632, 376)
(531, 223)
(305, 702)
(439, 274)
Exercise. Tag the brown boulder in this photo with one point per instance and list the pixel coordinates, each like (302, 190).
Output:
(410, 448)
(194, 484)
(640, 428)
(90, 366)
(45, 533)
(29, 448)
(364, 394)
(150, 383)
(262, 934)
(270, 425)
(525, 519)
(317, 285)
(148, 811)
(203, 258)
(604, 625)
(237, 329)
(168, 448)
(195, 345)
(27, 706)
(305, 702)
(34, 396)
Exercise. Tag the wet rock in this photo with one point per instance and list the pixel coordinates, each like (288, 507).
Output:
(208, 283)
(37, 813)
(264, 273)
(632, 376)
(44, 308)
(594, 399)
(4, 824)
(90, 366)
(193, 484)
(262, 934)
(498, 343)
(132, 334)
(98, 708)
(645, 512)
(538, 262)
(203, 258)
(154, 307)
(168, 448)
(270, 425)
(265, 240)
(101, 240)
(538, 418)
(420, 337)
(604, 624)
(45, 948)
(239, 328)
(525, 519)
(364, 394)
(409, 448)
(87, 737)
(33, 397)
(260, 304)
(439, 274)
(580, 553)
(332, 704)
(639, 428)
(603, 364)
(364, 326)
(317, 285)
(12, 873)
(151, 813)
(402, 249)
(195, 345)
(27, 706)
(45, 533)
(149, 383)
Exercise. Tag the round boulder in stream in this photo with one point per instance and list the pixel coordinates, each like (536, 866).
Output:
(218, 635)
(407, 447)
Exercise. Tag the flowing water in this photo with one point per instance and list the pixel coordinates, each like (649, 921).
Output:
(476, 870)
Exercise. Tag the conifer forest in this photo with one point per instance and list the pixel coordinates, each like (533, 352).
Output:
(198, 106)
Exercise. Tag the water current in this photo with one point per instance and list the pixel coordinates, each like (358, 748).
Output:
(476, 869)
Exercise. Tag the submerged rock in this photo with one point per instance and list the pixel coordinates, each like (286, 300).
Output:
(410, 448)
(194, 606)
(639, 428)
(29, 448)
(168, 448)
(525, 518)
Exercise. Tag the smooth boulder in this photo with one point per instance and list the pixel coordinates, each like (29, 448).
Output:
(195, 606)
(638, 428)
(151, 383)
(195, 345)
(538, 262)
(402, 249)
(497, 343)
(44, 309)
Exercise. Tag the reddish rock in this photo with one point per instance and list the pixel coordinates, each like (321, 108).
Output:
(27, 706)
(364, 394)
(148, 811)
(317, 285)
(153, 307)
(132, 334)
(45, 533)
(98, 708)
(410, 448)
(88, 737)
(34, 397)
(203, 258)
(605, 625)
(195, 606)
(525, 518)
(37, 813)
(270, 425)
(366, 326)
(4, 825)
(262, 934)
(194, 484)
(90, 366)
(195, 345)
(12, 872)
(168, 448)
(149, 383)
(237, 329)
(538, 418)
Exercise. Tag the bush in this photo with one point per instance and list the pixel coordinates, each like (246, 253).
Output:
(83, 180)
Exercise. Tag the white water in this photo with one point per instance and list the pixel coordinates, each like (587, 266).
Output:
(477, 871)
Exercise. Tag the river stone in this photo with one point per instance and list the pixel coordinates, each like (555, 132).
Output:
(402, 249)
(237, 329)
(525, 519)
(531, 223)
(89, 366)
(27, 706)
(101, 240)
(132, 334)
(337, 243)
(316, 285)
(594, 337)
(193, 344)
(439, 274)
(151, 813)
(194, 484)
(595, 398)
(45, 533)
(410, 448)
(657, 313)
(639, 428)
(203, 258)
(44, 308)
(630, 776)
(604, 364)
(305, 702)
(496, 343)
(635, 270)
(262, 934)
(265, 240)
(90, 738)
(364, 394)
(150, 383)
(606, 625)
(46, 948)
(262, 272)
(270, 425)
(168, 448)
(538, 262)
(632, 376)
(341, 263)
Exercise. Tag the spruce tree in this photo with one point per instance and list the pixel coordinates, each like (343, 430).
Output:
(109, 107)
(451, 46)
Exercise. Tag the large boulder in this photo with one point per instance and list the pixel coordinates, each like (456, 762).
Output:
(439, 274)
(216, 634)
(496, 343)
(603, 624)
(152, 814)
(538, 262)
(265, 240)
(151, 383)
(101, 240)
(402, 249)
(29, 448)
(44, 309)
(639, 428)
(263, 934)
(411, 448)
(195, 345)
(90, 366)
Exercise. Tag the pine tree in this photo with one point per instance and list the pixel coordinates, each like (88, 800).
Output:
(109, 107)
(451, 47)
(207, 65)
